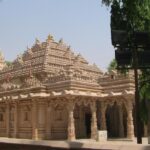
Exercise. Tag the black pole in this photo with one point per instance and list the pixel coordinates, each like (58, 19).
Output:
(137, 100)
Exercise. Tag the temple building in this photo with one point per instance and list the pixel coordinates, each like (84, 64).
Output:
(51, 93)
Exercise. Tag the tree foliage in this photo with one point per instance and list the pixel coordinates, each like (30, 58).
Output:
(112, 65)
(133, 15)
(135, 12)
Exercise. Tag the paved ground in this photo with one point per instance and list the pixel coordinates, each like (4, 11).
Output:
(24, 144)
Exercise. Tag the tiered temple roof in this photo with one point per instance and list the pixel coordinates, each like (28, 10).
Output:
(51, 64)
(53, 67)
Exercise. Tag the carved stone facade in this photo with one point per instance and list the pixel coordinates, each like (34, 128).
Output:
(50, 93)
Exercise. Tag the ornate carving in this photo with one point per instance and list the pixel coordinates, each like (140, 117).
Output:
(103, 108)
(31, 82)
(29, 53)
(37, 41)
(49, 38)
(71, 125)
(18, 61)
(94, 130)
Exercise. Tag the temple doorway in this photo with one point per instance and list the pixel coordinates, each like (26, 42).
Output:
(116, 121)
(88, 124)
(82, 118)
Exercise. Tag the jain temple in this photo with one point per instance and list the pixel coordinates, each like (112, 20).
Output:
(51, 93)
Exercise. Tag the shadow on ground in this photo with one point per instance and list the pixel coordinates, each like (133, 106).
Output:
(72, 146)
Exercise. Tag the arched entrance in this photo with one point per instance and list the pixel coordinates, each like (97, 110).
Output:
(88, 122)
(82, 117)
(116, 121)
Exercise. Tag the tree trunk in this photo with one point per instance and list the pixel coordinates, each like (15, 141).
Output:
(148, 125)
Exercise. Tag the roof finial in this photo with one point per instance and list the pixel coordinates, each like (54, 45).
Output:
(50, 38)
(29, 51)
(61, 41)
(69, 48)
(37, 41)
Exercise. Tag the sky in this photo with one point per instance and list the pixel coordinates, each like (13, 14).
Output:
(83, 24)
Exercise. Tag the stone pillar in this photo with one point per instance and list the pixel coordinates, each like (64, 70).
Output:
(102, 133)
(34, 120)
(48, 122)
(121, 126)
(71, 125)
(130, 126)
(94, 129)
(103, 116)
(8, 120)
(16, 120)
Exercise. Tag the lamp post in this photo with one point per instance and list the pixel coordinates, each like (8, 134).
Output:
(128, 56)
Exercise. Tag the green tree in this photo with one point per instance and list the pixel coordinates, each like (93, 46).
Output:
(112, 65)
(134, 15)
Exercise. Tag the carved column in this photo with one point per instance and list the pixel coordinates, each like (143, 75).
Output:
(103, 116)
(34, 120)
(94, 129)
(71, 125)
(7, 119)
(48, 121)
(130, 126)
(15, 120)
(121, 126)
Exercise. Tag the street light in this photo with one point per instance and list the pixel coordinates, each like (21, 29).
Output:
(128, 56)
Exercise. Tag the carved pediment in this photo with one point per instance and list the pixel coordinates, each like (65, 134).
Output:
(31, 82)
(5, 86)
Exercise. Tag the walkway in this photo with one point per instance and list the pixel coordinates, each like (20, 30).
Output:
(85, 144)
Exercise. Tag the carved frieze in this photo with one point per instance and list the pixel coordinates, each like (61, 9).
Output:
(31, 81)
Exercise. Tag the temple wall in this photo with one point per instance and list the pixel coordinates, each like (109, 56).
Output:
(3, 121)
(41, 120)
(59, 122)
(24, 120)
